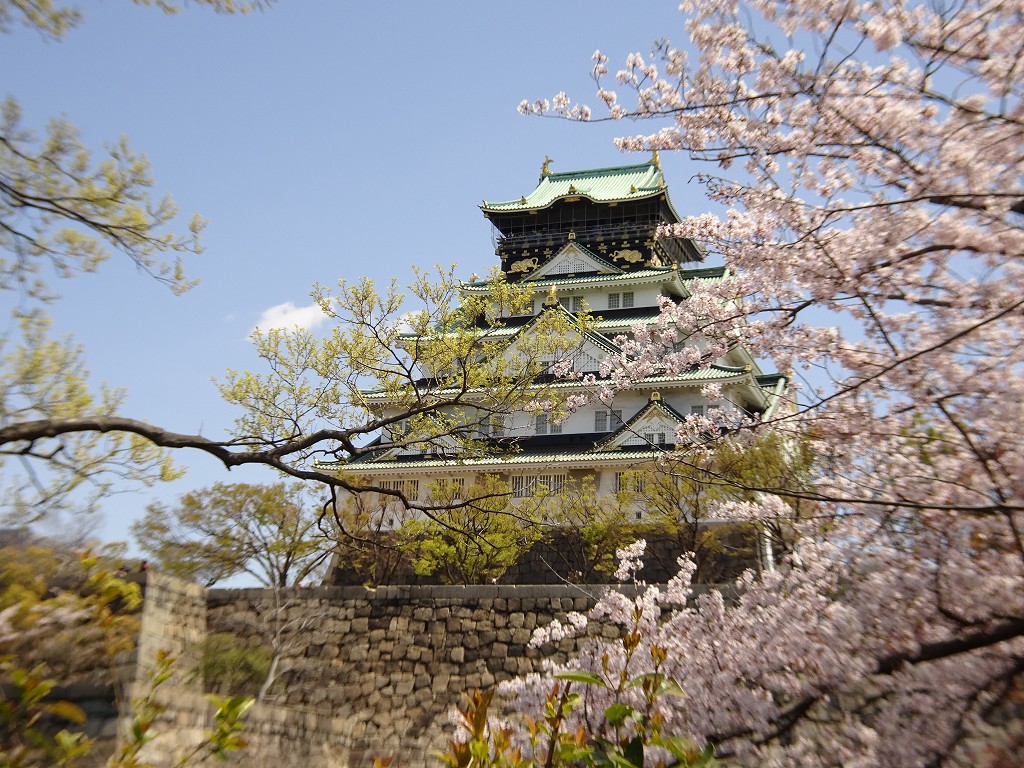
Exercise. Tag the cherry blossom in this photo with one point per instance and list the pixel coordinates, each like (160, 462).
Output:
(869, 162)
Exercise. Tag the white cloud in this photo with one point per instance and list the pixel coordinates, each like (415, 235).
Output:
(288, 316)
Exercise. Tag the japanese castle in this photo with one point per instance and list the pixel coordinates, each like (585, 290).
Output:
(586, 241)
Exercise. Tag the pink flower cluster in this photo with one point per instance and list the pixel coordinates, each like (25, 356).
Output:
(869, 157)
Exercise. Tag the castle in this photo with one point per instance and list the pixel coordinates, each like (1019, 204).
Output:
(581, 244)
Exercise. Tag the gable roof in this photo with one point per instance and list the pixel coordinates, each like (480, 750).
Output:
(655, 410)
(573, 259)
(601, 185)
(586, 335)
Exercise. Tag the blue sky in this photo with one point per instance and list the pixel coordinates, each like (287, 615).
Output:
(321, 140)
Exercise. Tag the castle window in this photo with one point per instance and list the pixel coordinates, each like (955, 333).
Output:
(570, 266)
(629, 482)
(543, 425)
(607, 420)
(572, 303)
(696, 410)
(449, 489)
(527, 485)
(410, 488)
(655, 438)
(493, 425)
(620, 300)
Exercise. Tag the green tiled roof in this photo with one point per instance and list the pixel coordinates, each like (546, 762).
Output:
(709, 275)
(640, 276)
(688, 378)
(603, 185)
(504, 460)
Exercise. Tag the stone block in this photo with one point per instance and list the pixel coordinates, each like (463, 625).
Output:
(521, 636)
(487, 636)
(439, 684)
(423, 614)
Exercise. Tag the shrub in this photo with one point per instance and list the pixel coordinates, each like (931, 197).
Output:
(234, 666)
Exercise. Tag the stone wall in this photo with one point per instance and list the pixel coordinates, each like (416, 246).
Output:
(369, 672)
(173, 622)
(389, 663)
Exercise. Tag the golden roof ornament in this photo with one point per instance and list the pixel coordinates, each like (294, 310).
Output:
(655, 159)
(545, 169)
(552, 299)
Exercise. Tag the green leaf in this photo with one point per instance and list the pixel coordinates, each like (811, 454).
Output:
(621, 761)
(66, 710)
(664, 686)
(617, 713)
(689, 754)
(72, 745)
(679, 746)
(579, 676)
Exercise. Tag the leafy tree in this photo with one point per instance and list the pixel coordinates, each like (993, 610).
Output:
(69, 613)
(870, 158)
(271, 532)
(64, 211)
(444, 367)
(232, 665)
(62, 208)
(470, 543)
(585, 529)
(676, 499)
(369, 551)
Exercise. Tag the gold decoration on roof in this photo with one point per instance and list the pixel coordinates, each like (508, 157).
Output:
(552, 298)
(572, 235)
(545, 169)
(655, 396)
(572, 189)
(656, 159)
